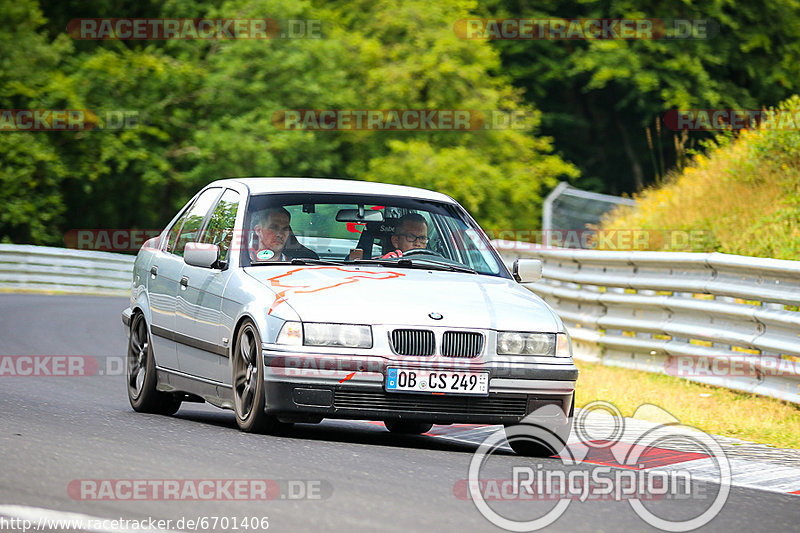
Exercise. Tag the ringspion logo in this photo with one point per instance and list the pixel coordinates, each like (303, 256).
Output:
(647, 469)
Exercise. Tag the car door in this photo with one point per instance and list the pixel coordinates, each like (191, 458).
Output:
(162, 289)
(164, 281)
(204, 354)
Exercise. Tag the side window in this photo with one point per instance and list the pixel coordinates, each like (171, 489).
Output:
(190, 231)
(220, 227)
(173, 233)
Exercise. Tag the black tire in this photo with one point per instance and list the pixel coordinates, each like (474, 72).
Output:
(141, 374)
(529, 448)
(533, 440)
(407, 427)
(541, 439)
(248, 384)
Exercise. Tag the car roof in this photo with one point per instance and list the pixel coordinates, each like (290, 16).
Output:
(327, 185)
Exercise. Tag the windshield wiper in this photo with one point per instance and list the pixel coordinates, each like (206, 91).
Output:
(312, 261)
(416, 263)
(444, 266)
(299, 261)
(371, 262)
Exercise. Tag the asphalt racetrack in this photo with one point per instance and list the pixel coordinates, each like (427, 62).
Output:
(333, 476)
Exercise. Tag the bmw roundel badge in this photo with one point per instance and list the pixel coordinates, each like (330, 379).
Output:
(435, 316)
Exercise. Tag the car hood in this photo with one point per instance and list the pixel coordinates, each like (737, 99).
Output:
(382, 295)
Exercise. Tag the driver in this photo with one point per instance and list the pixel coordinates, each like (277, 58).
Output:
(273, 229)
(411, 232)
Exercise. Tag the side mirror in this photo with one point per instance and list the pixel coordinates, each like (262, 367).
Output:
(201, 254)
(527, 270)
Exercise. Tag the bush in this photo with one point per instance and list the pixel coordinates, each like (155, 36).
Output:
(743, 195)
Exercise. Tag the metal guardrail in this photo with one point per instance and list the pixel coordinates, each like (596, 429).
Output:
(720, 319)
(724, 320)
(45, 269)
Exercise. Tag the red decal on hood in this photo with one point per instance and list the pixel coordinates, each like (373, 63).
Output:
(283, 286)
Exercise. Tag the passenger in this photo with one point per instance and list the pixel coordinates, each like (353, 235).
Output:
(410, 233)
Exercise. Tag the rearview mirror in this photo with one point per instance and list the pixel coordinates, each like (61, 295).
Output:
(359, 215)
(527, 270)
(201, 254)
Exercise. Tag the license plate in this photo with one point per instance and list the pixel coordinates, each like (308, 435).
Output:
(437, 381)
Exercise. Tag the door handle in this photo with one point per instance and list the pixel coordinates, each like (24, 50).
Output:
(184, 282)
(154, 271)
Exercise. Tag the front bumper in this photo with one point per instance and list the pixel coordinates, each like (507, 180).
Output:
(126, 317)
(328, 386)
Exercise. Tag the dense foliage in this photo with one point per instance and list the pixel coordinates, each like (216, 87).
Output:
(205, 107)
(599, 98)
(205, 112)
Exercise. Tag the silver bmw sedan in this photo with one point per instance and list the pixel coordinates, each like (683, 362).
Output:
(298, 299)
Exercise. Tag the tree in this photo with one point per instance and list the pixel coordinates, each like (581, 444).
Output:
(31, 171)
(600, 96)
(205, 111)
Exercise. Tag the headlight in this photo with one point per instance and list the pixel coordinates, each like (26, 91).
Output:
(518, 343)
(319, 334)
(342, 335)
(563, 345)
(510, 342)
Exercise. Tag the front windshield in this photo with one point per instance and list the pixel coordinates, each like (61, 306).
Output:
(352, 228)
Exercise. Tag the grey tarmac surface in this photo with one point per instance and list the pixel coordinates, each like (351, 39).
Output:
(57, 430)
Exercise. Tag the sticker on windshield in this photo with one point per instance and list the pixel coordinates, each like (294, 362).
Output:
(265, 255)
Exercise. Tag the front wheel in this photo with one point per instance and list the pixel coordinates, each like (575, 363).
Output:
(541, 434)
(248, 384)
(531, 448)
(141, 374)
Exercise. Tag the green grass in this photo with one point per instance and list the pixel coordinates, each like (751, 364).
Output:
(742, 197)
(712, 409)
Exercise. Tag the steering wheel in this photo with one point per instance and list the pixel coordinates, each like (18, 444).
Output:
(419, 251)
